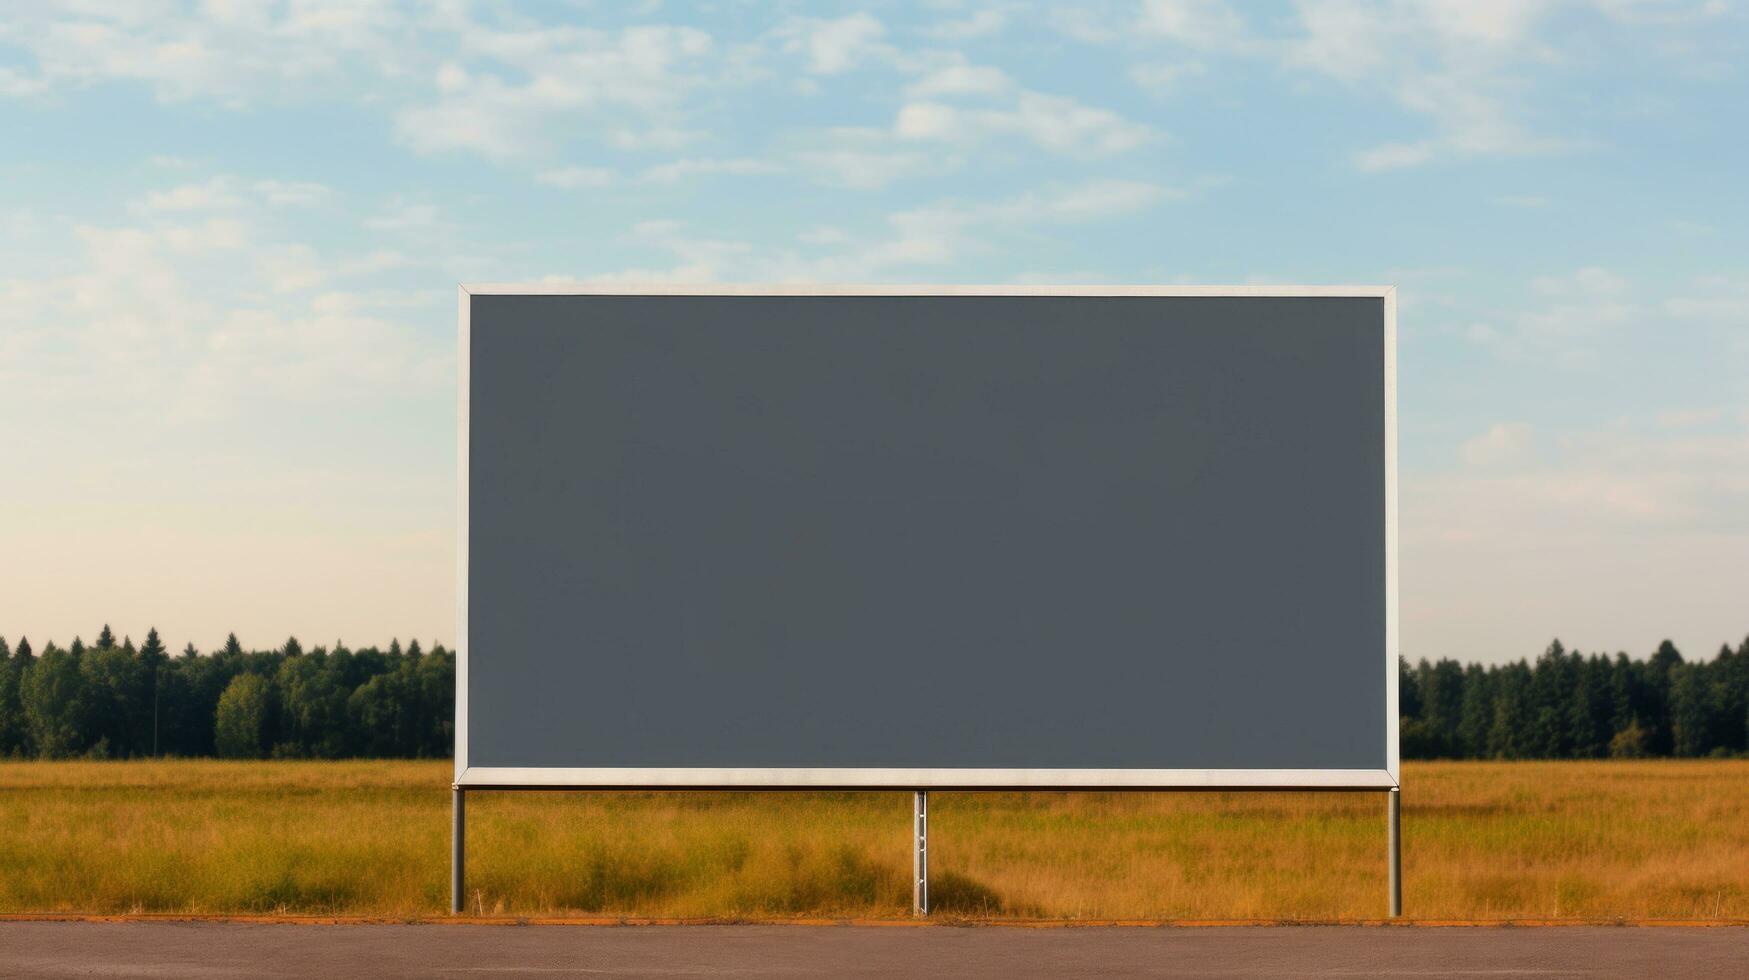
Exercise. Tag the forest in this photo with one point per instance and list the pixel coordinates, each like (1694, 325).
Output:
(115, 701)
(1567, 705)
(118, 700)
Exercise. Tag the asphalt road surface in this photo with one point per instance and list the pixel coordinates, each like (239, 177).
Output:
(218, 949)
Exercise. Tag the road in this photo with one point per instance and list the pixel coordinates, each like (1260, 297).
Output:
(228, 949)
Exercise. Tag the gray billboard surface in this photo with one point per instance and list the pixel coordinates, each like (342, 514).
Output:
(877, 537)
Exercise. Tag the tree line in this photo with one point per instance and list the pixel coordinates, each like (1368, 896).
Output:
(116, 700)
(1568, 705)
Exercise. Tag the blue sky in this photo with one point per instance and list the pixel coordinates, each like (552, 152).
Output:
(233, 233)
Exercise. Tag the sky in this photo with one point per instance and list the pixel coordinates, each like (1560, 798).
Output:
(232, 236)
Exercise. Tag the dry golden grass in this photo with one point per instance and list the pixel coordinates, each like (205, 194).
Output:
(1481, 840)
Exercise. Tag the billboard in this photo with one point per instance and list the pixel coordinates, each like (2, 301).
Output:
(927, 537)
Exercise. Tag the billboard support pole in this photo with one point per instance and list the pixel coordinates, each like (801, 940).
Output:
(920, 853)
(1394, 820)
(457, 838)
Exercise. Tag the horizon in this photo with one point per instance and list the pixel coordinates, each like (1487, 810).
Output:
(1706, 655)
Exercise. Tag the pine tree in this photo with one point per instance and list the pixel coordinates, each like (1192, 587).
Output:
(78, 647)
(1477, 713)
(1666, 657)
(1657, 674)
(153, 651)
(1732, 678)
(13, 740)
(118, 696)
(1549, 702)
(189, 652)
(1691, 714)
(1508, 736)
(106, 639)
(1442, 698)
(1590, 713)
(1625, 699)
(23, 654)
(153, 655)
(232, 647)
(292, 647)
(1408, 690)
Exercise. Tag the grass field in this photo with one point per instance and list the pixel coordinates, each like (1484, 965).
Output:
(1481, 840)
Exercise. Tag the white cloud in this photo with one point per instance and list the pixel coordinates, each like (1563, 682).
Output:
(1563, 540)
(1066, 126)
(193, 319)
(933, 236)
(452, 78)
(1055, 123)
(1575, 317)
(824, 235)
(16, 85)
(666, 138)
(1396, 156)
(1687, 418)
(1200, 23)
(577, 178)
(1341, 38)
(961, 80)
(927, 120)
(677, 170)
(296, 267)
(1454, 62)
(406, 216)
(291, 268)
(1089, 201)
(1504, 443)
(505, 85)
(638, 73)
(225, 192)
(289, 194)
(1591, 281)
(1086, 24)
(980, 23)
(186, 55)
(683, 273)
(213, 234)
(836, 46)
(866, 159)
(1162, 77)
(699, 259)
(1464, 66)
(1719, 301)
(215, 194)
(941, 233)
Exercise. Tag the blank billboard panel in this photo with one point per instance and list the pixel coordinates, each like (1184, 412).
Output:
(927, 538)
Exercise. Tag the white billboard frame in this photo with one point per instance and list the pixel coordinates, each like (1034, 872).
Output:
(483, 777)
